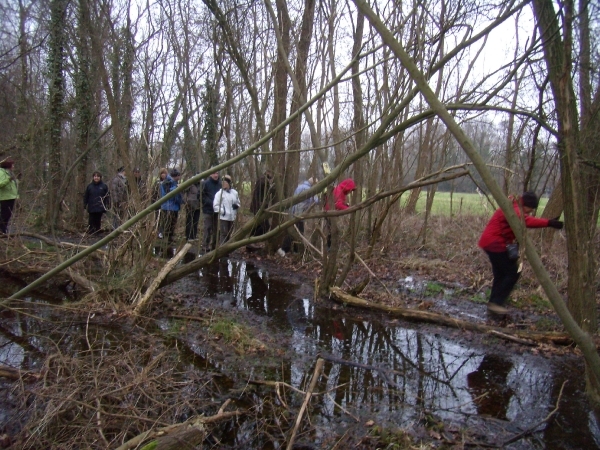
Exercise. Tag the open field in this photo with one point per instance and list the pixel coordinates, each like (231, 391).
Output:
(460, 203)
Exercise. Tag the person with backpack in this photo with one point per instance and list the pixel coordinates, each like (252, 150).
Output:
(495, 241)
(226, 204)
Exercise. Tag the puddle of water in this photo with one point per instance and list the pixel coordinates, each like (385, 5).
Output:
(393, 374)
(390, 374)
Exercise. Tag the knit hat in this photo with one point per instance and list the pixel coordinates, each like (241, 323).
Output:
(228, 179)
(530, 200)
(174, 173)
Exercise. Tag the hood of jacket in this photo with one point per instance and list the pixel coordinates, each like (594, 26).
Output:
(347, 186)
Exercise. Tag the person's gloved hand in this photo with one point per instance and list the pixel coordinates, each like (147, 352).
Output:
(555, 223)
(235, 206)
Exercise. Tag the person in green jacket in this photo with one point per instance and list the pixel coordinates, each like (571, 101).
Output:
(8, 193)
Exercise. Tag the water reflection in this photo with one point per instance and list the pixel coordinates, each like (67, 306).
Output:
(488, 386)
(392, 374)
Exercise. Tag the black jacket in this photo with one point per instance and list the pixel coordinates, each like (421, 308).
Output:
(96, 198)
(210, 188)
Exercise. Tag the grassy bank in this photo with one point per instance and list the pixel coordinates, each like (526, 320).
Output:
(460, 203)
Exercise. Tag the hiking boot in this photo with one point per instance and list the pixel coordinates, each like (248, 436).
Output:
(497, 309)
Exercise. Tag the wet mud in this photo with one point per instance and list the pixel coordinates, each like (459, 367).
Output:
(446, 387)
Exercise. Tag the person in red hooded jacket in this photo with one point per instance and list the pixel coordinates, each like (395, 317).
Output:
(340, 193)
(340, 202)
(494, 239)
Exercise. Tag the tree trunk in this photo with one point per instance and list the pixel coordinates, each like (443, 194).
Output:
(56, 94)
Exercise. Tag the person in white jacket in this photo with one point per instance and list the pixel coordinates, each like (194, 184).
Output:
(226, 204)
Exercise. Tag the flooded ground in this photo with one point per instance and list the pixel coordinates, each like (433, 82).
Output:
(396, 373)
(439, 384)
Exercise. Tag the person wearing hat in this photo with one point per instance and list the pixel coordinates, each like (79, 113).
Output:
(169, 210)
(96, 200)
(8, 193)
(297, 210)
(118, 196)
(494, 240)
(226, 204)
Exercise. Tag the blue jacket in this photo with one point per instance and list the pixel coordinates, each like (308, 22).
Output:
(301, 207)
(169, 185)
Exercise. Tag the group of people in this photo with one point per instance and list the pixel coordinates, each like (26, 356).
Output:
(219, 203)
(215, 197)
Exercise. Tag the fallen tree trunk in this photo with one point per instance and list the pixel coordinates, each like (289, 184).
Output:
(140, 303)
(15, 374)
(188, 434)
(520, 336)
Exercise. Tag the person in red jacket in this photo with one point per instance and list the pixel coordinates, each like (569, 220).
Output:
(340, 202)
(340, 192)
(494, 239)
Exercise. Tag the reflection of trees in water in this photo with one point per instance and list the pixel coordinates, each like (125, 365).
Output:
(417, 370)
(570, 414)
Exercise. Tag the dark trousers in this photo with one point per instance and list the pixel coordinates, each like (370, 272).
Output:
(506, 274)
(288, 240)
(168, 223)
(6, 210)
(209, 237)
(95, 222)
(225, 230)
(192, 216)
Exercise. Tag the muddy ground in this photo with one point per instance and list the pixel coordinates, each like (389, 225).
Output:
(196, 336)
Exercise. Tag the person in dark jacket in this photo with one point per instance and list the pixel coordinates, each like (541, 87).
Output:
(191, 198)
(262, 193)
(494, 239)
(210, 187)
(169, 210)
(96, 201)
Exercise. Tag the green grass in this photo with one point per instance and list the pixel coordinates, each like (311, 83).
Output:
(461, 203)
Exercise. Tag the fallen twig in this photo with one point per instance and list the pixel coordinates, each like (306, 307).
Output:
(372, 274)
(530, 430)
(191, 429)
(311, 388)
(141, 302)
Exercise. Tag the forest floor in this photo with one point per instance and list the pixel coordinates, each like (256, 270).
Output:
(445, 274)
